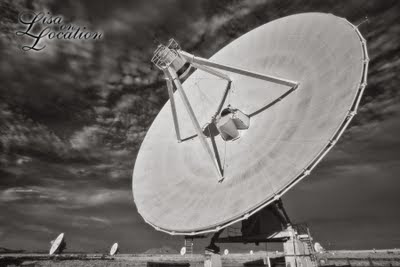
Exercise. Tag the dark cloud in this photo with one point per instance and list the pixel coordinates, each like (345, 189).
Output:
(72, 118)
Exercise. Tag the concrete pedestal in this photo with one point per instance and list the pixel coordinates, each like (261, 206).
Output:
(212, 259)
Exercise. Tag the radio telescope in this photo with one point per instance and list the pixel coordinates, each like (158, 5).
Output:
(57, 245)
(183, 251)
(247, 125)
(318, 248)
(114, 249)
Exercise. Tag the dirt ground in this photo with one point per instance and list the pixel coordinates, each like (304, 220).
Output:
(338, 258)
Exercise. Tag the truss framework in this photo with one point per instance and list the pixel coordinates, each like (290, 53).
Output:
(170, 59)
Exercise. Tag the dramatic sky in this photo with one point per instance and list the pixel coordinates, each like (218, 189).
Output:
(73, 115)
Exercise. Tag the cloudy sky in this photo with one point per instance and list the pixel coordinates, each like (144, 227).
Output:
(73, 115)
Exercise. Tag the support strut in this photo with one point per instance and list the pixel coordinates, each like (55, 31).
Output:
(205, 62)
(196, 125)
(173, 106)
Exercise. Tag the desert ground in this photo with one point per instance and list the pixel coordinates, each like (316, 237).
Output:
(329, 258)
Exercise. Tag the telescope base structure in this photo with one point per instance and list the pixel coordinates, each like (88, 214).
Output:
(271, 225)
(298, 251)
(212, 259)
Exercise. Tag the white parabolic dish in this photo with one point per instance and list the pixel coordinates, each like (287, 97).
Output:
(114, 249)
(56, 243)
(183, 251)
(318, 248)
(175, 187)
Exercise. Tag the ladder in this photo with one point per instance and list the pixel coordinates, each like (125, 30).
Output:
(304, 235)
(189, 245)
(311, 249)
